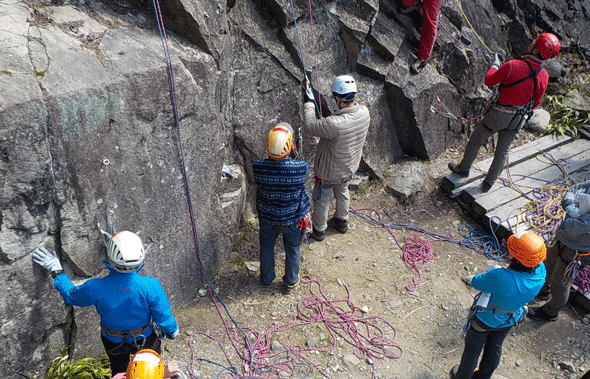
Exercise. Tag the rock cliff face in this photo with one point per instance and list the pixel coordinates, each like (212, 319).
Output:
(87, 125)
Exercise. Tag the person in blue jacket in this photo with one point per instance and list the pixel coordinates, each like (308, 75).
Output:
(510, 290)
(128, 304)
(282, 204)
(573, 241)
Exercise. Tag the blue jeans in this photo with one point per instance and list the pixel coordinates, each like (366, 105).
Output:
(291, 239)
(490, 341)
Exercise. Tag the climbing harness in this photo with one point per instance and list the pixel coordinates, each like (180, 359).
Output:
(573, 267)
(525, 111)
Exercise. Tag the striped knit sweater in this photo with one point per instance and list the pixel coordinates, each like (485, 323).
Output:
(281, 198)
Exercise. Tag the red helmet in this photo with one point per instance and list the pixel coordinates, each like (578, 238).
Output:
(547, 44)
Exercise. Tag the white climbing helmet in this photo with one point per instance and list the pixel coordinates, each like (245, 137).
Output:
(125, 252)
(344, 87)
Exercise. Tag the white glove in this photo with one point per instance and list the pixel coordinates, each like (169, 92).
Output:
(47, 259)
(308, 95)
(497, 61)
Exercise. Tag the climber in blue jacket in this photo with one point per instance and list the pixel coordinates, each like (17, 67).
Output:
(510, 290)
(128, 304)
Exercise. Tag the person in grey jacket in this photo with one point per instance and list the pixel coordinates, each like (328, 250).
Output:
(342, 136)
(573, 240)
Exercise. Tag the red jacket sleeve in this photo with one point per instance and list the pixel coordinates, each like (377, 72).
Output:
(496, 75)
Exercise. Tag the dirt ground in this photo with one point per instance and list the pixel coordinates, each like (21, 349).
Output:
(428, 322)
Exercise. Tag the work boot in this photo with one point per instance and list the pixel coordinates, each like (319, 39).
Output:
(539, 314)
(454, 167)
(317, 235)
(485, 186)
(338, 224)
(290, 287)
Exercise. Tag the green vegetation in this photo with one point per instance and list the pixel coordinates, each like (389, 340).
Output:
(362, 191)
(84, 368)
(376, 182)
(242, 239)
(564, 120)
(239, 261)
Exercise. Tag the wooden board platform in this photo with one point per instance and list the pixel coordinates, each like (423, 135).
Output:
(528, 169)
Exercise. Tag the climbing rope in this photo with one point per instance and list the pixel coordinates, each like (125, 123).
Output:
(582, 280)
(415, 254)
(213, 294)
(471, 26)
(543, 213)
(371, 336)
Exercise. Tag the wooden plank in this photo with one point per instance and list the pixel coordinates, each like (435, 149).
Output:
(578, 168)
(537, 174)
(452, 182)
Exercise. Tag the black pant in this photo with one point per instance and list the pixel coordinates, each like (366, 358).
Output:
(490, 341)
(120, 352)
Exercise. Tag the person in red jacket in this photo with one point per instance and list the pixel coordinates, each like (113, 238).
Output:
(522, 85)
(428, 31)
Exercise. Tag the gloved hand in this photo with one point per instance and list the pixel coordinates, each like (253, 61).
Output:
(308, 93)
(47, 259)
(173, 335)
(572, 211)
(497, 60)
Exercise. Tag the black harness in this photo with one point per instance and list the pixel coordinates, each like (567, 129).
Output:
(532, 75)
(525, 111)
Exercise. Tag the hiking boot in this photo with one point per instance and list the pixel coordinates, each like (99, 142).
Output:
(338, 224)
(454, 167)
(543, 296)
(290, 287)
(317, 235)
(539, 314)
(453, 372)
(485, 186)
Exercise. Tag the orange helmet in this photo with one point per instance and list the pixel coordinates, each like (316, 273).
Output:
(548, 45)
(528, 248)
(279, 142)
(145, 364)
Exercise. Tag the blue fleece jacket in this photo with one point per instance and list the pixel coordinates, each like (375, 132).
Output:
(510, 290)
(123, 301)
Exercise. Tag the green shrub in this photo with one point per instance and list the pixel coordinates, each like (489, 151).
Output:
(84, 368)
(565, 120)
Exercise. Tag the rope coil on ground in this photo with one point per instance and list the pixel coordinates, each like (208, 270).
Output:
(371, 336)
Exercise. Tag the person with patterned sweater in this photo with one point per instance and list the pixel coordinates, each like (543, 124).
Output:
(282, 204)
(522, 85)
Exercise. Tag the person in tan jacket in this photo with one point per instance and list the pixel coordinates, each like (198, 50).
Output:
(342, 136)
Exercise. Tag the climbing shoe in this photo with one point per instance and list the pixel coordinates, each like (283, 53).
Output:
(453, 372)
(290, 287)
(454, 167)
(317, 235)
(485, 186)
(338, 224)
(539, 314)
(417, 66)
